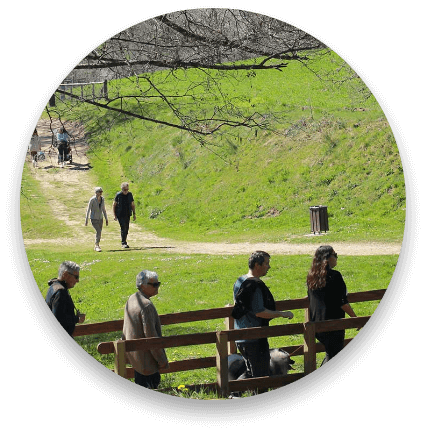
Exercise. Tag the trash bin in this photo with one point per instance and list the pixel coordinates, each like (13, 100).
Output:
(319, 219)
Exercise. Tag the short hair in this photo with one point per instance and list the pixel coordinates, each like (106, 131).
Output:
(68, 266)
(98, 189)
(124, 184)
(144, 276)
(257, 257)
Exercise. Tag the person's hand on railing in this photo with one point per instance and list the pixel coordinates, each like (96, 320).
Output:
(287, 314)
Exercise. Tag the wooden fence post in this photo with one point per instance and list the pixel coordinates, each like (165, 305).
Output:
(120, 358)
(105, 89)
(229, 325)
(222, 362)
(309, 347)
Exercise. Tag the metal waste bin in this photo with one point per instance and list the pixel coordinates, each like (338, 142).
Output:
(319, 219)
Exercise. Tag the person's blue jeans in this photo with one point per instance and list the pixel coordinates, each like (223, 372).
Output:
(62, 147)
(148, 381)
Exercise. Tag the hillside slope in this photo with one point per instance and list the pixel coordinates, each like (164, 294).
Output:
(327, 149)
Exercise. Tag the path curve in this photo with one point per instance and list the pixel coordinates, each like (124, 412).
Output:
(75, 183)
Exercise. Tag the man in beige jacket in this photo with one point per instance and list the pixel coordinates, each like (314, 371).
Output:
(141, 320)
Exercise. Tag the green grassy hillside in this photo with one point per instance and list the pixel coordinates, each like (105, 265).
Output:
(328, 148)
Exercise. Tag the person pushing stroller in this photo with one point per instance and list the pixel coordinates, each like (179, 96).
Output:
(64, 149)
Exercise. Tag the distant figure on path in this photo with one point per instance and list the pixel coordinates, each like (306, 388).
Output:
(34, 147)
(122, 208)
(62, 137)
(328, 300)
(96, 210)
(141, 320)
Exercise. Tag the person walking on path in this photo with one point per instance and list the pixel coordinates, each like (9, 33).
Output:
(254, 306)
(122, 208)
(96, 210)
(141, 320)
(328, 300)
(62, 137)
(59, 299)
(34, 147)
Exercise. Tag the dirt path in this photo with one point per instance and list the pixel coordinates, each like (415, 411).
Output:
(69, 189)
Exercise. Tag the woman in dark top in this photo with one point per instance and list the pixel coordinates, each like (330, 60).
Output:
(327, 298)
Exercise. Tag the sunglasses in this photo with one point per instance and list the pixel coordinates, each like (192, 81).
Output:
(154, 284)
(77, 277)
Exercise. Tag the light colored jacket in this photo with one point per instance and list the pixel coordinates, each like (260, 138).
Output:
(62, 137)
(35, 144)
(141, 320)
(94, 210)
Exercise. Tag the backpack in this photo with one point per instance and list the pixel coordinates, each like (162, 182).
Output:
(244, 295)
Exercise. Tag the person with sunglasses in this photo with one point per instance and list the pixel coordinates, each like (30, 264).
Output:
(328, 300)
(141, 320)
(59, 299)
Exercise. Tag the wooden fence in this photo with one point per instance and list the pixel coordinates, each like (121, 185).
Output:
(224, 341)
(103, 92)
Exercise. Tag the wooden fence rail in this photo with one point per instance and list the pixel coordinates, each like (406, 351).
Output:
(225, 342)
(103, 93)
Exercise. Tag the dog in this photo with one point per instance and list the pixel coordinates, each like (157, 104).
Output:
(279, 364)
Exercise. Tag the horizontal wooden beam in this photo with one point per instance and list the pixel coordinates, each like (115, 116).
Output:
(217, 313)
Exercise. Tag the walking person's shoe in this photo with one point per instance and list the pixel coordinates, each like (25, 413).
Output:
(98, 248)
(125, 246)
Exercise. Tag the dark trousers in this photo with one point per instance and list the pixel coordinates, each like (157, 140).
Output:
(148, 381)
(124, 222)
(257, 358)
(333, 342)
(62, 149)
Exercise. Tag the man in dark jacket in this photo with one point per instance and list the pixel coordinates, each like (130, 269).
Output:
(122, 208)
(59, 299)
(255, 307)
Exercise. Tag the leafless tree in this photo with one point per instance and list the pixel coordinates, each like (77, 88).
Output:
(211, 41)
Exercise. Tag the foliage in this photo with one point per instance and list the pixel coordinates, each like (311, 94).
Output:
(324, 148)
(322, 145)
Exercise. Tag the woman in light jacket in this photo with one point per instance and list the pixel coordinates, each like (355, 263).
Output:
(96, 211)
(34, 147)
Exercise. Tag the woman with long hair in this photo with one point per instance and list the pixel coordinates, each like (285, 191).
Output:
(328, 300)
(35, 147)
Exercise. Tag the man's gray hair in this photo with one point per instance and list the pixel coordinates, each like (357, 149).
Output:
(68, 266)
(124, 184)
(144, 276)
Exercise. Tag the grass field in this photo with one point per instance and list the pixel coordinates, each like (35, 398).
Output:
(329, 148)
(194, 282)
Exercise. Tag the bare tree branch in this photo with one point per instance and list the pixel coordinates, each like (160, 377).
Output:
(248, 122)
(218, 46)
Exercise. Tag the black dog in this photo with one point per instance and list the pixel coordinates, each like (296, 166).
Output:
(279, 364)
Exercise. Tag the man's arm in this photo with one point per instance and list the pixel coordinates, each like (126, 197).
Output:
(348, 309)
(133, 210)
(269, 314)
(113, 209)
